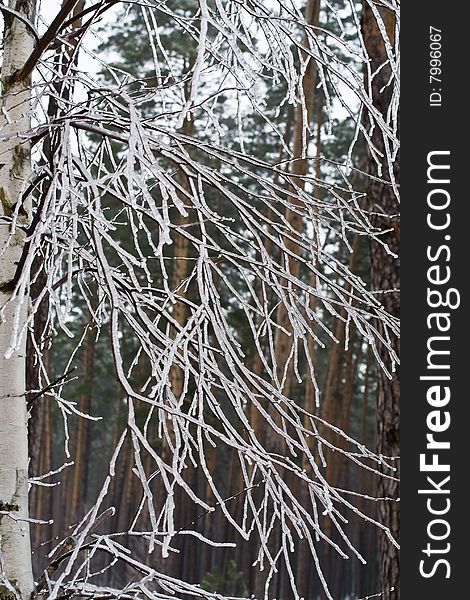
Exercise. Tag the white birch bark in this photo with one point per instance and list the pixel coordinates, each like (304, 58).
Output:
(15, 165)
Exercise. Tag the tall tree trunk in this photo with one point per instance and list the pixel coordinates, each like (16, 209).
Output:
(180, 258)
(40, 449)
(299, 169)
(15, 168)
(40, 420)
(335, 410)
(282, 341)
(385, 276)
(126, 501)
(345, 570)
(363, 533)
(304, 567)
(33, 376)
(352, 360)
(79, 482)
(38, 445)
(171, 565)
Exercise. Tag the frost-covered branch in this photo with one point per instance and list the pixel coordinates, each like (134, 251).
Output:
(118, 183)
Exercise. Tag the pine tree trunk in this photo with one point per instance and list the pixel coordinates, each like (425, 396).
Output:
(40, 420)
(304, 567)
(37, 413)
(128, 498)
(40, 456)
(385, 276)
(79, 483)
(353, 357)
(364, 479)
(170, 565)
(283, 342)
(299, 170)
(15, 168)
(180, 264)
(33, 376)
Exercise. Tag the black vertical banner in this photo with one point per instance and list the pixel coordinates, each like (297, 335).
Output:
(435, 435)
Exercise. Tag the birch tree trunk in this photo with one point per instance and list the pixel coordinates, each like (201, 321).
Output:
(15, 547)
